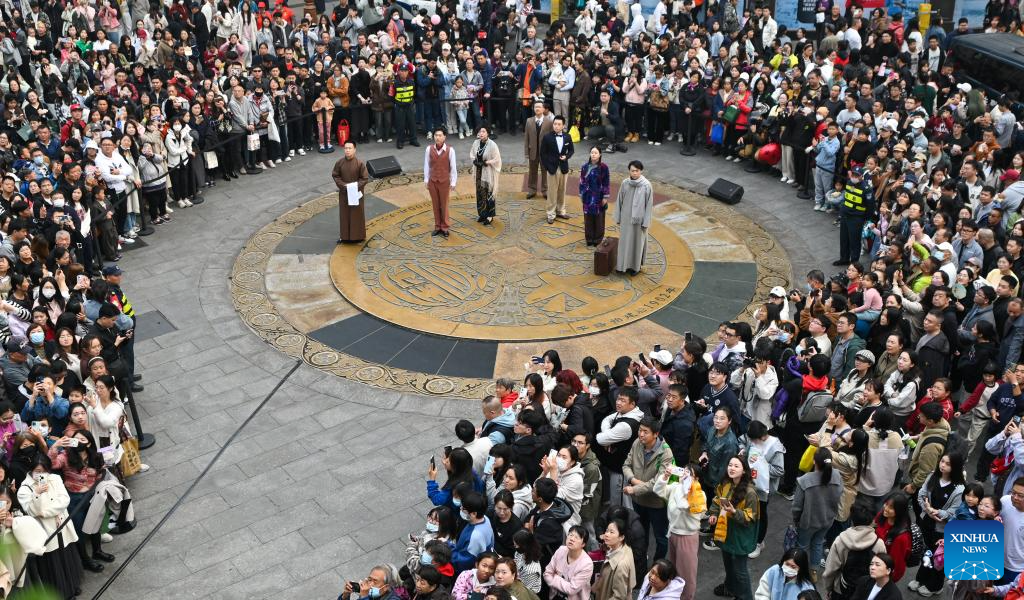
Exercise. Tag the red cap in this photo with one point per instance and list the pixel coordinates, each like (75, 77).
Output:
(75, 107)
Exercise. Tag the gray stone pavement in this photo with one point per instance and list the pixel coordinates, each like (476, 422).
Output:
(328, 478)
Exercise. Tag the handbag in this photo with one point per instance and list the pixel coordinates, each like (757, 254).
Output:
(211, 159)
(343, 132)
(731, 113)
(574, 134)
(807, 460)
(659, 101)
(717, 133)
(790, 539)
(253, 141)
(131, 460)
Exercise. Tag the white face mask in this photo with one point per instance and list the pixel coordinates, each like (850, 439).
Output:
(789, 571)
(177, 127)
(562, 463)
(49, 293)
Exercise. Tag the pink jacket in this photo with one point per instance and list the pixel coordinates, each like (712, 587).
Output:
(465, 583)
(573, 580)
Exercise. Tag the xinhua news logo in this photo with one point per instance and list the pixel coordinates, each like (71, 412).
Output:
(973, 550)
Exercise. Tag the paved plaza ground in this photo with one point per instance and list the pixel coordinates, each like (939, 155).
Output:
(327, 479)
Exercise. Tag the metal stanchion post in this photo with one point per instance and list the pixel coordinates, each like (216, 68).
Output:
(145, 439)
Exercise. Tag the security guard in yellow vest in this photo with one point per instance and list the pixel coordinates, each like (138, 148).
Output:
(857, 206)
(112, 275)
(405, 110)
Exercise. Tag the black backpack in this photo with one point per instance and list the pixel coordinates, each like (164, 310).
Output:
(952, 444)
(856, 566)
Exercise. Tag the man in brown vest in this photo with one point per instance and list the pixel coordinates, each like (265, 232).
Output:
(352, 219)
(440, 175)
(535, 129)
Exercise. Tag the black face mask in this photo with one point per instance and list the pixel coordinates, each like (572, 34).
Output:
(28, 451)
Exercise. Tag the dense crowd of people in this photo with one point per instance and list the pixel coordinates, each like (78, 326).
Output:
(863, 399)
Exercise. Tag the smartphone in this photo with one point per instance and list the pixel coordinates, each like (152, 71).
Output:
(433, 464)
(657, 347)
(1016, 420)
(537, 360)
(3, 505)
(687, 336)
(354, 585)
(552, 455)
(73, 443)
(679, 471)
(41, 478)
(643, 359)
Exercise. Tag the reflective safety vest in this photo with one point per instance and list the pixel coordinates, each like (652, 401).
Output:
(404, 92)
(853, 198)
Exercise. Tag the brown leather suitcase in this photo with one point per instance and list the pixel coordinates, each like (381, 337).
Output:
(605, 255)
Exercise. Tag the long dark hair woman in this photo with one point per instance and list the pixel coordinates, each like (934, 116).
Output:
(459, 465)
(42, 495)
(734, 519)
(82, 467)
(892, 526)
(939, 497)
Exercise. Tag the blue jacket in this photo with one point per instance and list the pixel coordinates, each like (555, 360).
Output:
(827, 150)
(774, 581)
(442, 496)
(536, 79)
(507, 420)
(474, 539)
(56, 413)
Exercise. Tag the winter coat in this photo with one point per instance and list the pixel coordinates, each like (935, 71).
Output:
(618, 576)
(773, 586)
(570, 579)
(571, 489)
(50, 509)
(946, 512)
(815, 504)
(860, 537)
(647, 470)
(681, 520)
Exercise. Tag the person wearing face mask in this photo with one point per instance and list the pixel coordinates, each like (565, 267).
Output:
(179, 153)
(477, 536)
(440, 526)
(380, 584)
(566, 471)
(857, 206)
(42, 495)
(786, 579)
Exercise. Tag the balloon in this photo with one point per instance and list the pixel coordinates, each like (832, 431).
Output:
(435, 20)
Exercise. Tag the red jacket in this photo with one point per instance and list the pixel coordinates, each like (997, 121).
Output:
(913, 425)
(742, 102)
(898, 549)
(975, 396)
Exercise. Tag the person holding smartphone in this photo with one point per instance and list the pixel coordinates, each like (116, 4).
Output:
(734, 514)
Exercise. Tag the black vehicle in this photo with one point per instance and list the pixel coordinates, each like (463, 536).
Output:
(991, 61)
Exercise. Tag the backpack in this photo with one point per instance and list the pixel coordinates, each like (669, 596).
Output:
(917, 546)
(952, 443)
(814, 408)
(855, 567)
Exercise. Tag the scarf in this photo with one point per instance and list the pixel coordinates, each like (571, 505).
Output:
(636, 193)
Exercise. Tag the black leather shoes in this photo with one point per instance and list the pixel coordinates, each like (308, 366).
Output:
(101, 555)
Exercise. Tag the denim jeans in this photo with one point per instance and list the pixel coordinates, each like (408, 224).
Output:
(812, 541)
(737, 576)
(822, 185)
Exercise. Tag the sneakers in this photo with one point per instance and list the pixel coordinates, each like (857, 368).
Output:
(914, 585)
(380, 140)
(302, 152)
(926, 593)
(292, 152)
(286, 159)
(462, 136)
(124, 240)
(709, 545)
(106, 538)
(143, 468)
(278, 161)
(757, 551)
(820, 208)
(169, 209)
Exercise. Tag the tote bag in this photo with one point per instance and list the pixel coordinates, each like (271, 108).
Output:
(731, 113)
(717, 133)
(253, 141)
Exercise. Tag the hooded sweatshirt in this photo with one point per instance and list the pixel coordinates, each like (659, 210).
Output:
(860, 537)
(672, 591)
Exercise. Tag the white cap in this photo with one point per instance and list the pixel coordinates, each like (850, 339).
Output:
(892, 124)
(662, 356)
(964, 87)
(945, 247)
(917, 123)
(778, 291)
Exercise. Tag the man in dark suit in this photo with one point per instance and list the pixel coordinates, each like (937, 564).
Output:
(609, 126)
(555, 151)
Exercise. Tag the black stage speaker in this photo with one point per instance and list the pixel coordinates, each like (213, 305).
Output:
(726, 191)
(383, 167)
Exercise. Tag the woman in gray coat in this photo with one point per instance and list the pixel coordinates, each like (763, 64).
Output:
(816, 503)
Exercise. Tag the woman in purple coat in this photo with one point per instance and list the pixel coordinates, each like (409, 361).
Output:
(594, 182)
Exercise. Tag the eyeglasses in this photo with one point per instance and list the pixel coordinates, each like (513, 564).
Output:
(579, 442)
(1017, 495)
(730, 334)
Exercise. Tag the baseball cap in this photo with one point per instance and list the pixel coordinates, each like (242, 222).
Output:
(917, 123)
(662, 356)
(945, 247)
(112, 270)
(900, 147)
(75, 107)
(964, 87)
(778, 292)
(17, 344)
